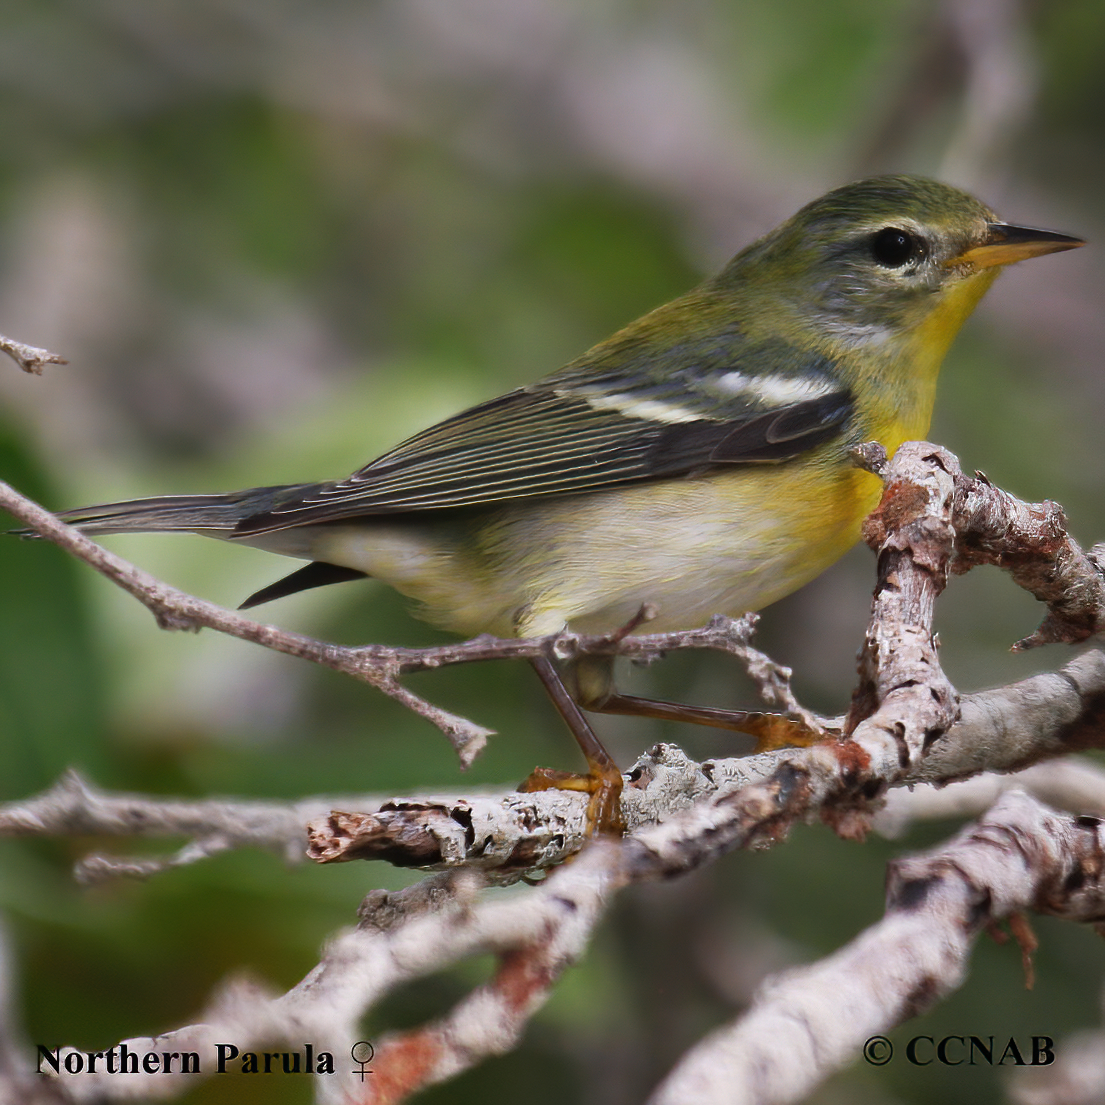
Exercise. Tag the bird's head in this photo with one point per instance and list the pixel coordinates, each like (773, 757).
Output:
(875, 261)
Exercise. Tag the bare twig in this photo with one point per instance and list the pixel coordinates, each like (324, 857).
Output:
(175, 609)
(29, 357)
(1030, 541)
(381, 665)
(1071, 784)
(72, 807)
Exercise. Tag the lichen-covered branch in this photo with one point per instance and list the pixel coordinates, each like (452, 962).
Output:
(511, 832)
(1001, 730)
(401, 936)
(1020, 856)
(1072, 784)
(30, 358)
(812, 1021)
(1030, 541)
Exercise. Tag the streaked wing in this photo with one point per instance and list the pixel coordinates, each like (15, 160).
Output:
(583, 430)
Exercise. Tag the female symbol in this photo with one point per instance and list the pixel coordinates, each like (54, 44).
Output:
(362, 1052)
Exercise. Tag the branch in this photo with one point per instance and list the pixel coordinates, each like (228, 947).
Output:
(380, 665)
(906, 724)
(173, 609)
(29, 357)
(810, 1022)
(1030, 541)
(513, 833)
(401, 936)
(1071, 784)
(978, 524)
(903, 718)
(1019, 856)
(72, 807)
(1036, 719)
(1004, 730)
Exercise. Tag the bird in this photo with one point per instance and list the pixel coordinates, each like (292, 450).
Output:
(697, 462)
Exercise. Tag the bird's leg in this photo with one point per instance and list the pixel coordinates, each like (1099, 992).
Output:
(770, 730)
(603, 781)
(595, 691)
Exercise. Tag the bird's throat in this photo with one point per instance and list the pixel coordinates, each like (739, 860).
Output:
(919, 356)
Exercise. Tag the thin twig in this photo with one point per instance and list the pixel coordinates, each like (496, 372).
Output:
(173, 609)
(381, 665)
(29, 357)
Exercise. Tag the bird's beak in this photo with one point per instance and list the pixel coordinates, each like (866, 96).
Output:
(1005, 244)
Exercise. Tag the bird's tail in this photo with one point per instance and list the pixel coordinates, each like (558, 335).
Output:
(217, 515)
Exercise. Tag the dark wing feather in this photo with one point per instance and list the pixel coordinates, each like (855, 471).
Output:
(583, 430)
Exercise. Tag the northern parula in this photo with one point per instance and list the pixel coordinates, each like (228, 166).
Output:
(697, 461)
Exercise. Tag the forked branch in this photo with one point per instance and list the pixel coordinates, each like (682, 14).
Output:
(906, 725)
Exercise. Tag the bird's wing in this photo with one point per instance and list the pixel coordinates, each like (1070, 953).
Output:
(588, 428)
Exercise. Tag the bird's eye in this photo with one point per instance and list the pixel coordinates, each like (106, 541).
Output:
(894, 248)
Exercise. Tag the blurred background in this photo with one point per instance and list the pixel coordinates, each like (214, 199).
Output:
(273, 238)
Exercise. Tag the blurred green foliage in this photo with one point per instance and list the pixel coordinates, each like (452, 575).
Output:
(272, 240)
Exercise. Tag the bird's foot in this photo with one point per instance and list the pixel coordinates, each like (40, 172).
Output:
(603, 783)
